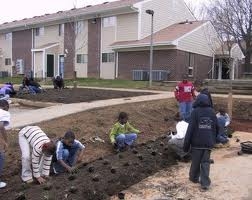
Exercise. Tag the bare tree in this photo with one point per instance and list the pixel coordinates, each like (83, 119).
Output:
(233, 20)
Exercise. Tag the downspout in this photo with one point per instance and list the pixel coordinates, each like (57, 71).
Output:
(33, 61)
(213, 69)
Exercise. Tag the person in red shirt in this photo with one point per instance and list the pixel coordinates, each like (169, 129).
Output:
(184, 93)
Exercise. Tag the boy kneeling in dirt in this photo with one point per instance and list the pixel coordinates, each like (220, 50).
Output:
(122, 133)
(176, 141)
(42, 150)
(69, 151)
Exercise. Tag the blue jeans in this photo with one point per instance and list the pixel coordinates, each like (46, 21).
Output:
(34, 89)
(68, 157)
(1, 162)
(125, 139)
(185, 109)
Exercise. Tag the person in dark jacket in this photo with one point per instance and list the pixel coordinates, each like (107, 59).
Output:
(201, 138)
(58, 82)
(198, 84)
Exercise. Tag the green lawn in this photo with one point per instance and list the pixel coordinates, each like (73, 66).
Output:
(92, 82)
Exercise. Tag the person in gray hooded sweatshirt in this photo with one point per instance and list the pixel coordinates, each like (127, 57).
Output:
(201, 138)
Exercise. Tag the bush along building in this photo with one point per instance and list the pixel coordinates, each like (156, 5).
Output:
(112, 40)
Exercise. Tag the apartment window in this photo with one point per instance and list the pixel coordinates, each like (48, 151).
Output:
(108, 57)
(39, 31)
(61, 29)
(191, 64)
(79, 27)
(7, 61)
(109, 21)
(82, 58)
(8, 36)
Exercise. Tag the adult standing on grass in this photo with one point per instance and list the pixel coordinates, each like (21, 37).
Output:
(42, 149)
(201, 138)
(4, 122)
(184, 93)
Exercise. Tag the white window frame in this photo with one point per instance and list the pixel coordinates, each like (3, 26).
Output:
(61, 29)
(109, 21)
(81, 58)
(8, 36)
(110, 57)
(191, 63)
(39, 31)
(7, 61)
(79, 27)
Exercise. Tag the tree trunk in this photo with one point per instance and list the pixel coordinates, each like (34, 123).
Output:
(247, 64)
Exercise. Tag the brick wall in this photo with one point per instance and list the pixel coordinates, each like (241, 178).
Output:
(69, 44)
(21, 48)
(173, 60)
(94, 41)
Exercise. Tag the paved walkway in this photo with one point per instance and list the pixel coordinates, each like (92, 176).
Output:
(20, 119)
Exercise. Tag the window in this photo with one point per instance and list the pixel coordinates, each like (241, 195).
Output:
(79, 27)
(61, 29)
(109, 21)
(7, 61)
(82, 58)
(108, 57)
(191, 64)
(39, 31)
(8, 36)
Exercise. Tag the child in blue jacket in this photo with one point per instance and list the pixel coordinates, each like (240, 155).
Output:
(201, 137)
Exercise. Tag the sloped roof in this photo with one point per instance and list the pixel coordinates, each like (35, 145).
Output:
(99, 8)
(45, 46)
(166, 35)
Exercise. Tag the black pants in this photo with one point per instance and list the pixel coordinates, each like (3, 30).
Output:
(200, 167)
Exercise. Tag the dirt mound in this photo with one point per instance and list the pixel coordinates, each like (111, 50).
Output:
(104, 177)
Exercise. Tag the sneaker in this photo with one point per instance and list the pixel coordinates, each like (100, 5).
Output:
(194, 181)
(29, 181)
(2, 185)
(204, 187)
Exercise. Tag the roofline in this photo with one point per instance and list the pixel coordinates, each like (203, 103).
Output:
(165, 43)
(192, 31)
(71, 17)
(43, 49)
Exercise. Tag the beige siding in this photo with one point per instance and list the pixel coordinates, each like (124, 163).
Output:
(108, 70)
(108, 36)
(38, 64)
(51, 35)
(203, 40)
(81, 47)
(127, 27)
(166, 13)
(81, 70)
(5, 52)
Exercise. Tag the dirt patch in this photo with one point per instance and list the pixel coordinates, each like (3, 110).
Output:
(75, 95)
(154, 118)
(104, 177)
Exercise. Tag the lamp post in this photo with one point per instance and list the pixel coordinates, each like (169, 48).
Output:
(151, 12)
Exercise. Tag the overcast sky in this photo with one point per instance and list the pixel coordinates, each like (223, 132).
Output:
(18, 9)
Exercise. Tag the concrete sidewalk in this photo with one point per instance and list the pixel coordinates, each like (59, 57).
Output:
(38, 115)
(44, 114)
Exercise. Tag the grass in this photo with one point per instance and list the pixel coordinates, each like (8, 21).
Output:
(92, 82)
